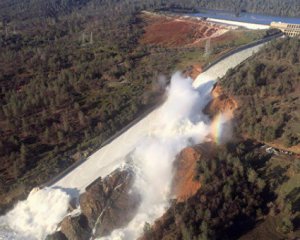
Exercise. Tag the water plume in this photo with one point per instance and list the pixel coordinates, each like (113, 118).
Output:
(167, 139)
(178, 123)
(35, 217)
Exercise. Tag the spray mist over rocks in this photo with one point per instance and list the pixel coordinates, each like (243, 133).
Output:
(194, 127)
(178, 123)
(35, 217)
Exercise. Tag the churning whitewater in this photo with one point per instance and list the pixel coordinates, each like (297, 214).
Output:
(179, 122)
(149, 147)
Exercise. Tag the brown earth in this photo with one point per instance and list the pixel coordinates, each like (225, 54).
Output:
(193, 71)
(172, 31)
(184, 184)
(220, 103)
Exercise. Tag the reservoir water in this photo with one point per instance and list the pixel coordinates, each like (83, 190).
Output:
(244, 17)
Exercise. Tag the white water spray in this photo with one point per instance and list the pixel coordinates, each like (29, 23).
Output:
(180, 123)
(177, 124)
(152, 144)
(35, 217)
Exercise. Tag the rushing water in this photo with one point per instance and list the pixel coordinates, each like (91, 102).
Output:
(149, 147)
(244, 17)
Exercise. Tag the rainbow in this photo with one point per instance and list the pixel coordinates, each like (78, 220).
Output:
(217, 127)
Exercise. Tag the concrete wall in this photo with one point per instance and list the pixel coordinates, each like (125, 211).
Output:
(240, 24)
(291, 30)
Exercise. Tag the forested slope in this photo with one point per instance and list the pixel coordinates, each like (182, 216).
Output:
(245, 193)
(23, 9)
(73, 72)
(248, 192)
(66, 87)
(267, 89)
(70, 81)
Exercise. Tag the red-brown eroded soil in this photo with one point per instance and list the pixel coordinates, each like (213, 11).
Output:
(176, 31)
(184, 185)
(193, 71)
(221, 103)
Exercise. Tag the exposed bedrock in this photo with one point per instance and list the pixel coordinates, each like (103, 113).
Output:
(107, 204)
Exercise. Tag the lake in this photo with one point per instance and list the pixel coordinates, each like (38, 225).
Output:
(244, 17)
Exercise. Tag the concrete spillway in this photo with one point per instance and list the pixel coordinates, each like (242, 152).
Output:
(108, 158)
(240, 24)
(149, 147)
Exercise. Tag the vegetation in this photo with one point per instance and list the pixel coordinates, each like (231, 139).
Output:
(267, 89)
(248, 192)
(46, 8)
(73, 73)
(67, 87)
(239, 191)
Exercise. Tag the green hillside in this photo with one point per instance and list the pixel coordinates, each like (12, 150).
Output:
(267, 88)
(248, 192)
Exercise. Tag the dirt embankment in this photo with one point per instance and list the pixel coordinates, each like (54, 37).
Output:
(193, 71)
(220, 103)
(184, 184)
(170, 31)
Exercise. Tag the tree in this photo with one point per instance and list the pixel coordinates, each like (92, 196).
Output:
(204, 228)
(252, 176)
(227, 191)
(260, 183)
(81, 118)
(46, 134)
(286, 225)
(147, 229)
(186, 235)
(65, 123)
(23, 153)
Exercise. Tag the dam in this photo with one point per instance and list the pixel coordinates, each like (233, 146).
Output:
(291, 30)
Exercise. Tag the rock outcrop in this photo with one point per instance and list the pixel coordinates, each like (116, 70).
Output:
(76, 228)
(56, 236)
(110, 204)
(107, 204)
